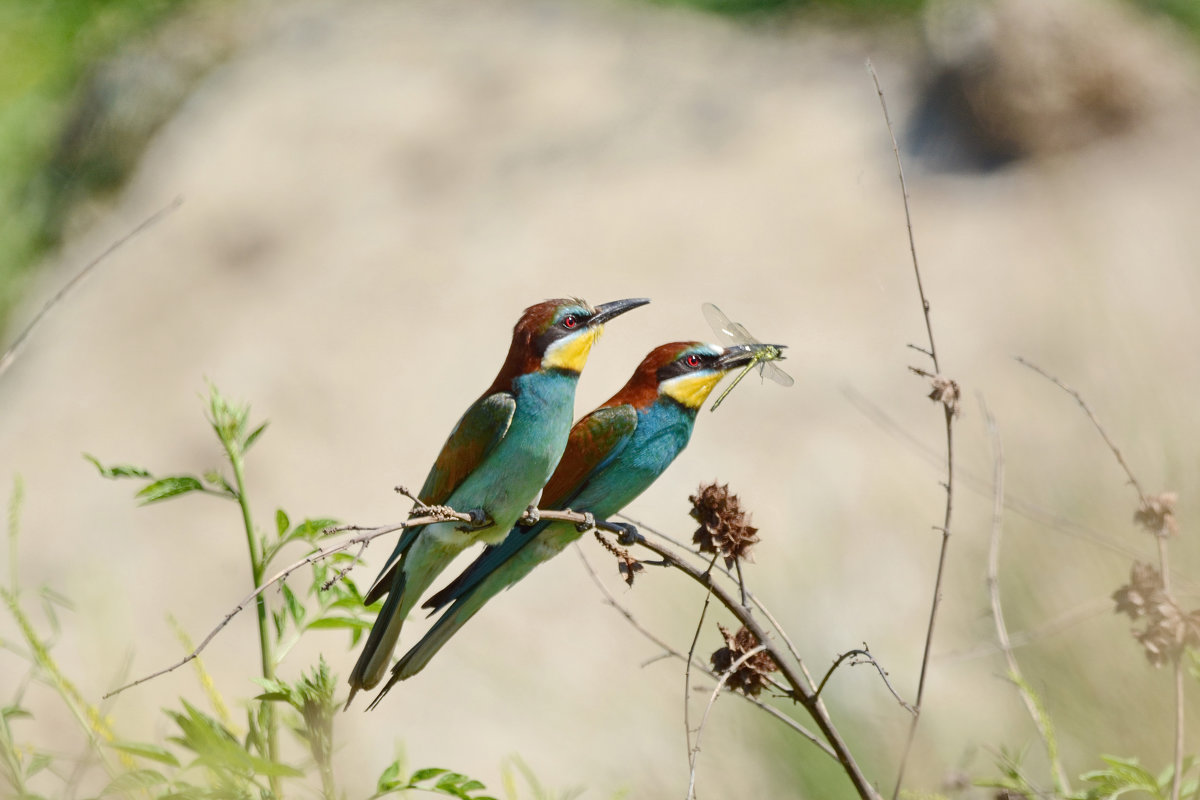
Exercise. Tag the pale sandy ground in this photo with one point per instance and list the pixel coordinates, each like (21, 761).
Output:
(373, 193)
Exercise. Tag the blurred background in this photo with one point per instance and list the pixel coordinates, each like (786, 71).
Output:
(373, 191)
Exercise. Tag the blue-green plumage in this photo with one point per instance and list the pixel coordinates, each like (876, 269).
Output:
(613, 454)
(496, 460)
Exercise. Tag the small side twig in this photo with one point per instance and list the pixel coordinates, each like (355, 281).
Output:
(867, 657)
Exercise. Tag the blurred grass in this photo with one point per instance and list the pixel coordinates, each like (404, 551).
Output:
(47, 49)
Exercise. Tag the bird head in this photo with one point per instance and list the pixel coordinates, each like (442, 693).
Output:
(685, 372)
(558, 334)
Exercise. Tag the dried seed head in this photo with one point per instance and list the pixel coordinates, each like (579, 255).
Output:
(1157, 514)
(1143, 590)
(946, 392)
(1167, 628)
(724, 527)
(750, 676)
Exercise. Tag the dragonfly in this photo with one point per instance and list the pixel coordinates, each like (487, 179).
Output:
(734, 333)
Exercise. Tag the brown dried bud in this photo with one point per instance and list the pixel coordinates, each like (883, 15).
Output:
(1157, 514)
(750, 676)
(724, 527)
(1143, 590)
(946, 392)
(1167, 629)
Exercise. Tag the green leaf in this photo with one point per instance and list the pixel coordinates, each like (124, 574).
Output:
(37, 763)
(426, 774)
(281, 522)
(145, 750)
(294, 606)
(118, 470)
(340, 623)
(390, 779)
(128, 782)
(169, 487)
(253, 437)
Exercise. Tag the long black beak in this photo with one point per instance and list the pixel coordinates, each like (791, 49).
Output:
(606, 311)
(739, 355)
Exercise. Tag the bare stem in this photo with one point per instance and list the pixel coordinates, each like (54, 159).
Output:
(694, 752)
(11, 353)
(949, 414)
(1061, 783)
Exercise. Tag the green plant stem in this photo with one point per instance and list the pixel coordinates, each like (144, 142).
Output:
(265, 644)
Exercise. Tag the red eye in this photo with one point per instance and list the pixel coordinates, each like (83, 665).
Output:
(569, 321)
(693, 360)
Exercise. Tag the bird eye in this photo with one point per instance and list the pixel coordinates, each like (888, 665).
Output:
(692, 360)
(570, 321)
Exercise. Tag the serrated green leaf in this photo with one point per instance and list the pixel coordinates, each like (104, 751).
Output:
(294, 606)
(426, 774)
(166, 488)
(117, 470)
(146, 750)
(282, 523)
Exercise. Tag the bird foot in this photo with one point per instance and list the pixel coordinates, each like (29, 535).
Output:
(628, 536)
(479, 519)
(589, 522)
(531, 516)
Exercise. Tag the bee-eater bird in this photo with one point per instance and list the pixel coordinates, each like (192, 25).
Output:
(496, 461)
(613, 454)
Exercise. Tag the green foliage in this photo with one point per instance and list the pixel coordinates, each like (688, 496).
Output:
(204, 758)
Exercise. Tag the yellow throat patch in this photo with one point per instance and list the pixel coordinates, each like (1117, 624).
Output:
(571, 353)
(691, 390)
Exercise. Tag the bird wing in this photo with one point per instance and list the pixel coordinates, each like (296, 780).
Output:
(474, 437)
(594, 441)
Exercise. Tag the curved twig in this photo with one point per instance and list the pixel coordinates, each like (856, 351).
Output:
(865, 653)
(10, 354)
(694, 753)
(670, 652)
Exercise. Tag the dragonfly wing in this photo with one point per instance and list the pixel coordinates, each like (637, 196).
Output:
(720, 323)
(742, 335)
(771, 370)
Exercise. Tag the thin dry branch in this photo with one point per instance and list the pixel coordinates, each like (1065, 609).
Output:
(1116, 451)
(670, 652)
(867, 657)
(10, 354)
(694, 753)
(794, 679)
(1061, 782)
(942, 392)
(322, 553)
(758, 603)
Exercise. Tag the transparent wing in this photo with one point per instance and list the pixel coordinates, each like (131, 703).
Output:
(769, 369)
(720, 324)
(743, 336)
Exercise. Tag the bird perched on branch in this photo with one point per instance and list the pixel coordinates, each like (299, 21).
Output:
(613, 454)
(494, 464)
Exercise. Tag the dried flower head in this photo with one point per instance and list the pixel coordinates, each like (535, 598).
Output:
(1143, 590)
(946, 392)
(724, 527)
(1167, 628)
(1157, 514)
(750, 676)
